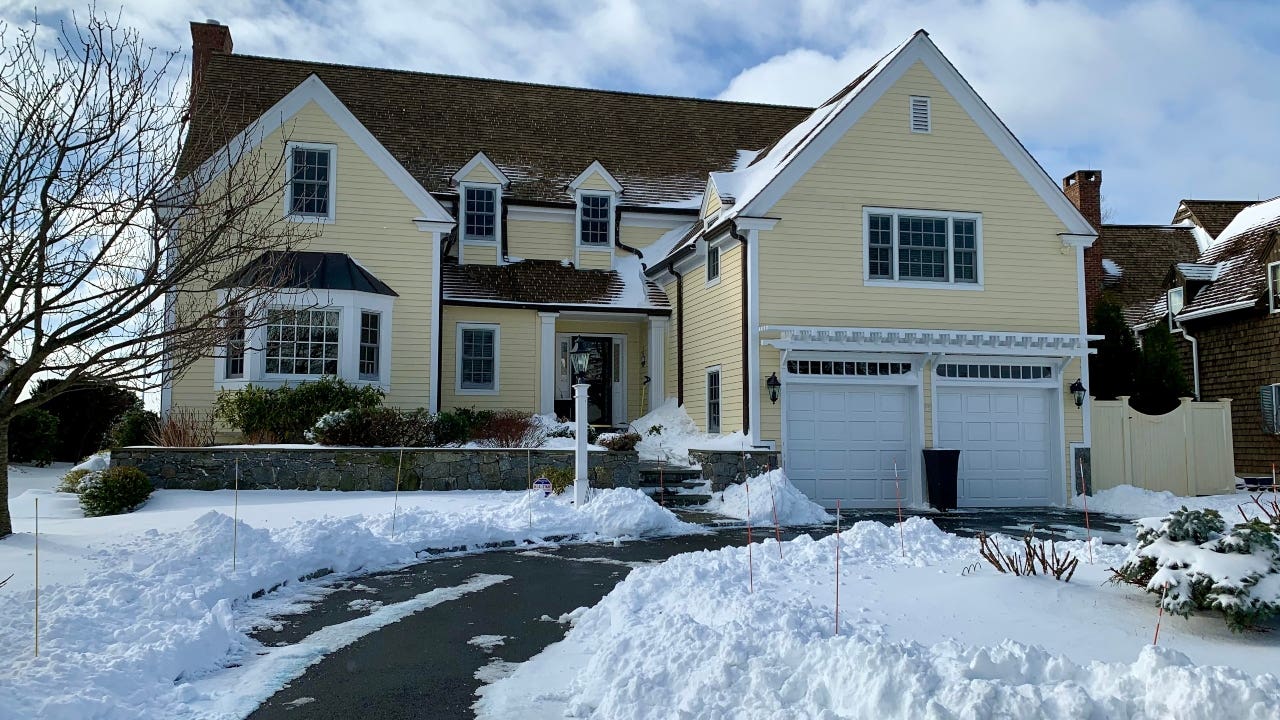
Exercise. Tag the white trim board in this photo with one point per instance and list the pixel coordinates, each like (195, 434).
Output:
(480, 160)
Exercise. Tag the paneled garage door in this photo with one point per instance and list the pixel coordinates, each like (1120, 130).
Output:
(841, 442)
(1006, 441)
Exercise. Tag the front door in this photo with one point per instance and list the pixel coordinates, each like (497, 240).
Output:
(600, 377)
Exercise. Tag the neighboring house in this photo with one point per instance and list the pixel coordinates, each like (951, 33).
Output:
(1225, 304)
(851, 284)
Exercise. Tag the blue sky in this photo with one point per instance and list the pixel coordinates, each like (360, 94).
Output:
(1169, 99)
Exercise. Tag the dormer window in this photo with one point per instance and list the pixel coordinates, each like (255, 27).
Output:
(1273, 285)
(1175, 302)
(595, 220)
(310, 189)
(480, 217)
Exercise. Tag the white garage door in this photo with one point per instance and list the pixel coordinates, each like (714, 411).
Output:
(842, 442)
(1006, 442)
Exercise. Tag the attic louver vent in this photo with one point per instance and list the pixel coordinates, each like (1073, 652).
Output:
(920, 114)
(1271, 409)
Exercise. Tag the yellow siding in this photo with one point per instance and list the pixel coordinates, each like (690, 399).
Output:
(595, 259)
(480, 253)
(374, 224)
(1030, 278)
(713, 336)
(480, 174)
(637, 335)
(711, 203)
(517, 358)
(595, 181)
(539, 240)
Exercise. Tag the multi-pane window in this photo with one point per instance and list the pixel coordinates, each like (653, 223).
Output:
(235, 343)
(302, 342)
(370, 344)
(923, 247)
(880, 246)
(310, 181)
(713, 263)
(478, 346)
(847, 367)
(594, 219)
(481, 216)
(995, 372)
(713, 400)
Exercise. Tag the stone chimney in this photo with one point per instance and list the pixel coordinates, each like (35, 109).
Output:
(1084, 189)
(207, 37)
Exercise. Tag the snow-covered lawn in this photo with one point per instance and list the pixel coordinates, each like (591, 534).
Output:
(137, 610)
(925, 635)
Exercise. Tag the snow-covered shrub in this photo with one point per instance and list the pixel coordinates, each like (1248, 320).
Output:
(619, 441)
(510, 429)
(113, 491)
(376, 427)
(1194, 562)
(70, 482)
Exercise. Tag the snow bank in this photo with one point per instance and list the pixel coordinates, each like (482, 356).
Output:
(1134, 502)
(761, 494)
(921, 634)
(679, 434)
(159, 609)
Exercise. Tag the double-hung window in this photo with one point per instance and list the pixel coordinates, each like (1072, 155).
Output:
(595, 219)
(1273, 285)
(713, 400)
(480, 215)
(923, 246)
(713, 263)
(370, 345)
(478, 358)
(235, 344)
(302, 342)
(310, 181)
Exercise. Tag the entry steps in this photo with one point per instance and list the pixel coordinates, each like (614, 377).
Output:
(674, 486)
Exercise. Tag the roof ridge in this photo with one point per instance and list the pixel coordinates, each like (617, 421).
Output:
(227, 56)
(1168, 226)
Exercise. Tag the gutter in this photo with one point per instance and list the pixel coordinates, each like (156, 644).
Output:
(746, 349)
(679, 336)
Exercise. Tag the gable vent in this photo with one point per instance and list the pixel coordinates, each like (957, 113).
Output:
(920, 114)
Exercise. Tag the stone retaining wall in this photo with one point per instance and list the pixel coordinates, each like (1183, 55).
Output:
(722, 467)
(305, 468)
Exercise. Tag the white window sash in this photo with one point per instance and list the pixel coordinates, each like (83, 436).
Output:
(949, 281)
(332, 183)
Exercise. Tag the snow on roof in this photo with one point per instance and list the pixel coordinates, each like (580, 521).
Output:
(1200, 271)
(1111, 268)
(1261, 213)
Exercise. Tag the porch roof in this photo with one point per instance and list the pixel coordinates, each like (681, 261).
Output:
(919, 340)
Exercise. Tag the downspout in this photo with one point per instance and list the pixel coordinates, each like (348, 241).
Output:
(617, 234)
(1195, 360)
(502, 251)
(746, 348)
(679, 334)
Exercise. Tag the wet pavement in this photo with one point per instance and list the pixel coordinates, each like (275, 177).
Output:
(424, 667)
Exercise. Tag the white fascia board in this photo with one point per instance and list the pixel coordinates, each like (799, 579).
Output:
(921, 48)
(480, 160)
(1241, 305)
(596, 167)
(1078, 240)
(314, 90)
(755, 223)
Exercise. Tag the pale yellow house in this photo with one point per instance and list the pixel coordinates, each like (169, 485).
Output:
(850, 285)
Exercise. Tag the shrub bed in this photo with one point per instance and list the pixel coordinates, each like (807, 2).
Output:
(286, 413)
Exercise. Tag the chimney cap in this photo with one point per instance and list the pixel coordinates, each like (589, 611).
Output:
(211, 21)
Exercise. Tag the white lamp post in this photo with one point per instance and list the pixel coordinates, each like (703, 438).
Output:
(579, 357)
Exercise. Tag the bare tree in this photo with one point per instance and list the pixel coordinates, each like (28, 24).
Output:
(114, 229)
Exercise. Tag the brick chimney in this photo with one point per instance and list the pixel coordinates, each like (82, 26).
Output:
(207, 37)
(1084, 189)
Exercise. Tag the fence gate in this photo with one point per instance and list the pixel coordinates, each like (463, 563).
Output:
(1186, 451)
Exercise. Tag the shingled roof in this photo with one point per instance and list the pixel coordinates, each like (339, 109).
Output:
(1212, 215)
(1145, 255)
(1242, 273)
(311, 270)
(548, 283)
(659, 148)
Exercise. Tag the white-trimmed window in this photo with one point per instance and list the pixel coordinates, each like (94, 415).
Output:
(479, 213)
(370, 359)
(713, 399)
(713, 263)
(595, 220)
(302, 342)
(1176, 301)
(995, 371)
(477, 358)
(847, 367)
(922, 247)
(234, 352)
(1273, 285)
(311, 173)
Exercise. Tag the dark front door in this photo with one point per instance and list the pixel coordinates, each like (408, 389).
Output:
(599, 377)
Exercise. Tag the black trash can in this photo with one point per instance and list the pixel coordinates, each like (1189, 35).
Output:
(941, 472)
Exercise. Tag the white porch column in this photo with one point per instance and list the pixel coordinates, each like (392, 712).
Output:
(657, 356)
(547, 362)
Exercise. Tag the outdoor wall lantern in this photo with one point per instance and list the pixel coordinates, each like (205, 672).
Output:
(579, 356)
(775, 386)
(1077, 391)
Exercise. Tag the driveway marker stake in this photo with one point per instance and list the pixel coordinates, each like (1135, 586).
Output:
(751, 580)
(1087, 530)
(837, 567)
(1160, 615)
(897, 490)
(395, 507)
(37, 623)
(235, 519)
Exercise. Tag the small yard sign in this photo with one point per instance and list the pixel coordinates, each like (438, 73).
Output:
(544, 485)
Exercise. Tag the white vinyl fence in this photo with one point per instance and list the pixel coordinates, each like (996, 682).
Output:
(1186, 451)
